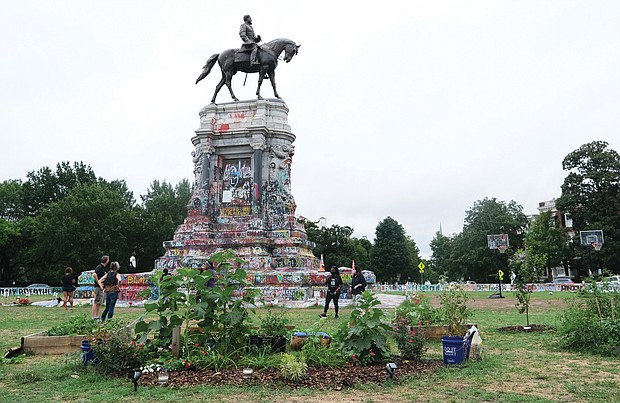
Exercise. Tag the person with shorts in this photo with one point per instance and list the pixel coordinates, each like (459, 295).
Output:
(68, 286)
(98, 294)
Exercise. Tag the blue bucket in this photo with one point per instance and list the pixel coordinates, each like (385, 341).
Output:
(88, 355)
(454, 348)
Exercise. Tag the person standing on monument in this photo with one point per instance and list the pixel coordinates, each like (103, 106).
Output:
(98, 294)
(132, 263)
(250, 41)
(334, 285)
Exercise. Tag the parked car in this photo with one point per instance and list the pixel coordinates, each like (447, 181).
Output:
(615, 280)
(611, 283)
(563, 280)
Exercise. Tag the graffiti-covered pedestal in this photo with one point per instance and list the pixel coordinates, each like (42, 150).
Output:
(242, 199)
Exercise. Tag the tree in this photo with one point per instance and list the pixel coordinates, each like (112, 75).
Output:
(543, 238)
(11, 207)
(488, 216)
(527, 267)
(413, 273)
(391, 255)
(336, 245)
(75, 231)
(443, 260)
(591, 194)
(46, 186)
(163, 208)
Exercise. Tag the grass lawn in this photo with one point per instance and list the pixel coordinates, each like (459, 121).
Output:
(517, 367)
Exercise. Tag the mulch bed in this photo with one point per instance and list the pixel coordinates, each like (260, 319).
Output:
(316, 377)
(532, 328)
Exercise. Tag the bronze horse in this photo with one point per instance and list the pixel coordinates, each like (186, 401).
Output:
(267, 56)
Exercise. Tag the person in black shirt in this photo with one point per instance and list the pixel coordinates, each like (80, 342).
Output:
(358, 284)
(68, 286)
(98, 294)
(110, 283)
(334, 285)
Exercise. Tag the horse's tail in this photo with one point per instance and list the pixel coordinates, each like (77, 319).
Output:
(207, 68)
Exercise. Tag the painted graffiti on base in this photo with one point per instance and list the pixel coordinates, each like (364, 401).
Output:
(237, 183)
(285, 293)
(131, 285)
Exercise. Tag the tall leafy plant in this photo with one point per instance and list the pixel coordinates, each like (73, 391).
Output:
(453, 308)
(364, 340)
(185, 299)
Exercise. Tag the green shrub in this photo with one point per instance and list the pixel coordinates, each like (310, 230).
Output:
(260, 358)
(592, 322)
(293, 368)
(81, 325)
(417, 310)
(364, 340)
(117, 353)
(454, 311)
(316, 354)
(214, 359)
(273, 324)
(410, 341)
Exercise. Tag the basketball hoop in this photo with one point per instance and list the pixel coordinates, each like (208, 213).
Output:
(597, 246)
(503, 248)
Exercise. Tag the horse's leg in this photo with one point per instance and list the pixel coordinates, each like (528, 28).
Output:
(218, 87)
(229, 75)
(272, 78)
(261, 76)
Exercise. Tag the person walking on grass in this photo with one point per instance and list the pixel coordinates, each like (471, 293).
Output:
(110, 284)
(334, 285)
(68, 286)
(358, 285)
(98, 294)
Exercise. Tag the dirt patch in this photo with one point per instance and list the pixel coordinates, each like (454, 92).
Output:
(506, 303)
(530, 328)
(316, 378)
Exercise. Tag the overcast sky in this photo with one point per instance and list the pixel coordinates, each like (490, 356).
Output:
(408, 109)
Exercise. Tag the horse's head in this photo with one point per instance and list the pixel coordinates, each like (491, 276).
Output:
(290, 50)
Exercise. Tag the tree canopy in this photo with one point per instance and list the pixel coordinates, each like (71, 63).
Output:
(591, 194)
(394, 255)
(69, 217)
(467, 255)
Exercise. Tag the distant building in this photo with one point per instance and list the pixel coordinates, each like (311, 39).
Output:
(560, 220)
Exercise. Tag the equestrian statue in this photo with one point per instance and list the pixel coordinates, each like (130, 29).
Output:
(252, 57)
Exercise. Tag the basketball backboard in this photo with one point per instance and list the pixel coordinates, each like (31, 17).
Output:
(590, 237)
(497, 241)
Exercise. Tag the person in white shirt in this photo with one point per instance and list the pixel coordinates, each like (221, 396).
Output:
(132, 263)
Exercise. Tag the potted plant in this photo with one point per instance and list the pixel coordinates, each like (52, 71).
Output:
(454, 312)
(271, 332)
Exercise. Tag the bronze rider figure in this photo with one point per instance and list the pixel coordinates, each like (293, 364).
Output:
(250, 41)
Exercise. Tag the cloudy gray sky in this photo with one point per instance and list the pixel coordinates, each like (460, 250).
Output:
(408, 109)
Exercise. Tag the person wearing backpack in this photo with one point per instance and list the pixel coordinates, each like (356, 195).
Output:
(110, 284)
